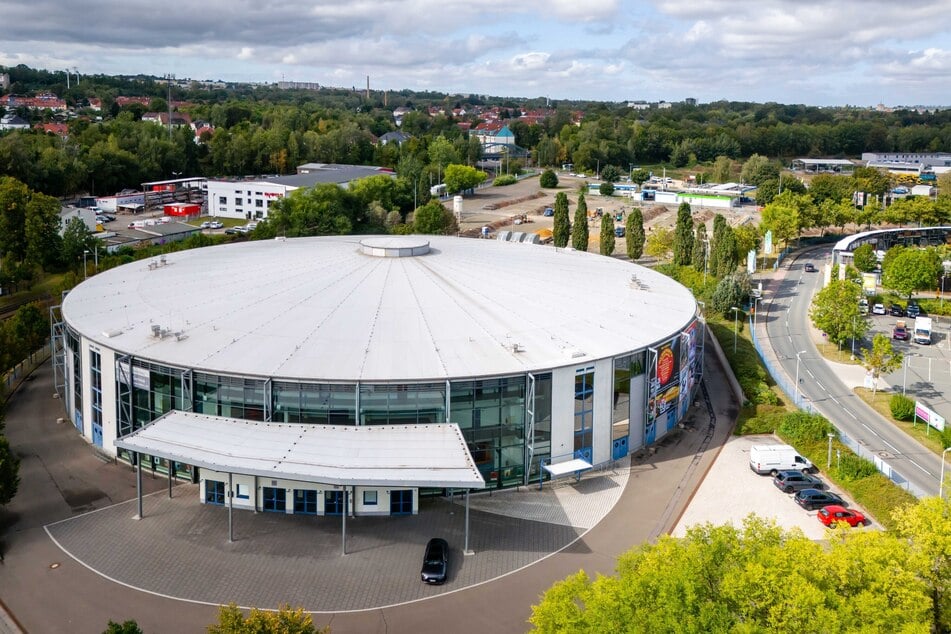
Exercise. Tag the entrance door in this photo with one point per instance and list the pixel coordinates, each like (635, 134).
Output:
(401, 502)
(333, 502)
(275, 499)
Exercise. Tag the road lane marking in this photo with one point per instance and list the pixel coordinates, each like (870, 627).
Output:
(920, 467)
(850, 414)
(874, 433)
(892, 447)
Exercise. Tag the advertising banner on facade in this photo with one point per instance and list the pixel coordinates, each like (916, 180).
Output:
(690, 360)
(663, 389)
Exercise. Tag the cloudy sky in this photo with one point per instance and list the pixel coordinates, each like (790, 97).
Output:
(821, 52)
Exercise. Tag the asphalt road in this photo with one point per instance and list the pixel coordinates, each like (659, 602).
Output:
(787, 325)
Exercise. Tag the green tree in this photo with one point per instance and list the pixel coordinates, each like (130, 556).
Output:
(831, 187)
(606, 188)
(9, 472)
(610, 174)
(758, 169)
(683, 236)
(871, 181)
(441, 154)
(715, 579)
(434, 219)
(548, 179)
(782, 218)
(730, 291)
(77, 239)
(14, 198)
(640, 176)
(579, 229)
(911, 270)
(659, 243)
(634, 237)
(41, 228)
(561, 231)
(926, 527)
(722, 259)
(863, 258)
(722, 169)
(747, 238)
(126, 627)
(835, 311)
(322, 210)
(462, 177)
(698, 258)
(881, 358)
(285, 621)
(607, 242)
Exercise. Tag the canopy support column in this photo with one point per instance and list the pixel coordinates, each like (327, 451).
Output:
(230, 509)
(171, 472)
(344, 518)
(137, 457)
(465, 548)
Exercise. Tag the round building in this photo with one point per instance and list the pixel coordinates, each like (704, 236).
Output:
(536, 355)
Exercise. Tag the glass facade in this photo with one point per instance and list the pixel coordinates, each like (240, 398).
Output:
(506, 421)
(95, 389)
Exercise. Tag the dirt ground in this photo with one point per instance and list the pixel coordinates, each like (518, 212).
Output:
(499, 207)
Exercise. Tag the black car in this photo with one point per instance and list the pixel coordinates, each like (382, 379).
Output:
(789, 481)
(895, 310)
(435, 561)
(913, 310)
(619, 232)
(809, 267)
(812, 499)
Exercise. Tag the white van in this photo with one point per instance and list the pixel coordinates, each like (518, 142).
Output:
(774, 458)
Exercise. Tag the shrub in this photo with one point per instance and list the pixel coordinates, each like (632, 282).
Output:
(548, 180)
(764, 423)
(851, 467)
(505, 179)
(803, 427)
(903, 408)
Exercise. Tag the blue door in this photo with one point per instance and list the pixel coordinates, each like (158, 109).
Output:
(619, 448)
(333, 502)
(214, 492)
(275, 499)
(305, 501)
(401, 502)
(97, 435)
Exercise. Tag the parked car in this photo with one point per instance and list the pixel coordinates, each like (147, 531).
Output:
(549, 212)
(435, 561)
(205, 225)
(895, 310)
(812, 499)
(214, 224)
(619, 232)
(789, 481)
(878, 309)
(809, 267)
(900, 331)
(913, 309)
(863, 306)
(833, 514)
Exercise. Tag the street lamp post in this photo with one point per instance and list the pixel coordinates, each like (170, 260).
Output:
(941, 481)
(706, 258)
(829, 459)
(736, 312)
(755, 313)
(85, 272)
(853, 338)
(941, 301)
(798, 359)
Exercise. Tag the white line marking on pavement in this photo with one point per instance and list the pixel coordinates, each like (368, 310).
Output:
(891, 446)
(850, 414)
(920, 467)
(875, 433)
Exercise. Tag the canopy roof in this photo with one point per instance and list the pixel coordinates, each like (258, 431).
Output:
(380, 455)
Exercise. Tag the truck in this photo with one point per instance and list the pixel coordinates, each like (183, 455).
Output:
(923, 330)
(772, 459)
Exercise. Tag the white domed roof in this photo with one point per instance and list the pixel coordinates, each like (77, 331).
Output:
(378, 308)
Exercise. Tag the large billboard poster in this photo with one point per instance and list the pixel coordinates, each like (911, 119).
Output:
(663, 388)
(690, 361)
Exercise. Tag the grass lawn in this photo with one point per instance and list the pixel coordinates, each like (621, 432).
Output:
(930, 438)
(831, 352)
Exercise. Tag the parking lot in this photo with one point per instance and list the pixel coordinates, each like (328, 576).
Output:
(731, 491)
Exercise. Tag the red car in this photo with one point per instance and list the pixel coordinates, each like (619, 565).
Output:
(832, 515)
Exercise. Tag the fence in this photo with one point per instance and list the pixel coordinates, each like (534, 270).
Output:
(13, 378)
(797, 397)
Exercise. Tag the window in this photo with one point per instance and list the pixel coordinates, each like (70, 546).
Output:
(584, 412)
(243, 492)
(237, 202)
(214, 492)
(222, 200)
(259, 203)
(369, 498)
